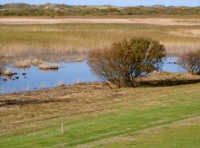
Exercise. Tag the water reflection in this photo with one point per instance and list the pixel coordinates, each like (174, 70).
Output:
(68, 73)
(170, 64)
(34, 78)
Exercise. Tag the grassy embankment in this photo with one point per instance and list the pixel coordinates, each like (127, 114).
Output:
(92, 115)
(58, 41)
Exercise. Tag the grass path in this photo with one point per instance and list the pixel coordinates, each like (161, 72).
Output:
(141, 117)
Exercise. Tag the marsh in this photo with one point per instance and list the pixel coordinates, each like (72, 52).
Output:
(29, 48)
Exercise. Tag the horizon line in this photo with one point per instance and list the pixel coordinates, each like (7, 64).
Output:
(162, 5)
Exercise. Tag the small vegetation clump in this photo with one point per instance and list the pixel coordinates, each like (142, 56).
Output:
(191, 61)
(126, 60)
(48, 66)
(27, 63)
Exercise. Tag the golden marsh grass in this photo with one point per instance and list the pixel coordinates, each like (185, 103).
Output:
(54, 42)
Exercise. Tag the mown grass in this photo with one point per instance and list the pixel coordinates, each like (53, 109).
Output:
(60, 40)
(95, 116)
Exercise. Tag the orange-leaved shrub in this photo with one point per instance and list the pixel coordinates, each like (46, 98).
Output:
(126, 60)
(191, 61)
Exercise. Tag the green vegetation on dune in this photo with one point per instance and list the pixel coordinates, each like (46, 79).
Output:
(20, 9)
(140, 117)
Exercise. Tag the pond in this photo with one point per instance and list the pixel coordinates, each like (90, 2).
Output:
(34, 79)
(68, 73)
(170, 64)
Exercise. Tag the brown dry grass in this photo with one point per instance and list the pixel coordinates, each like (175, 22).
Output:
(177, 49)
(165, 78)
(48, 66)
(69, 42)
(152, 21)
(22, 109)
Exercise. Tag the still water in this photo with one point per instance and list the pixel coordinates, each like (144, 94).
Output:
(170, 64)
(68, 73)
(35, 79)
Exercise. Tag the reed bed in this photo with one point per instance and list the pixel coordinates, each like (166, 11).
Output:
(73, 41)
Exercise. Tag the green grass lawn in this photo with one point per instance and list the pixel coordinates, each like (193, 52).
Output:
(144, 117)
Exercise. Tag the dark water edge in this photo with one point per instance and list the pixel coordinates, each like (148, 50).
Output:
(68, 73)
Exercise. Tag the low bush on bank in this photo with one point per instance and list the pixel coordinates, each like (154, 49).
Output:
(191, 61)
(126, 60)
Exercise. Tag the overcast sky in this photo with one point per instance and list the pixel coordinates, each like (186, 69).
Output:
(111, 2)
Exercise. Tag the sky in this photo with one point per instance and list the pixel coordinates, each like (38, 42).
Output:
(111, 2)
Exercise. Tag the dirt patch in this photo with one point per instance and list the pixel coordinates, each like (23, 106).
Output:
(187, 122)
(190, 121)
(107, 141)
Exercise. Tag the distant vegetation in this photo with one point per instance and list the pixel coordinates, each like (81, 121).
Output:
(22, 9)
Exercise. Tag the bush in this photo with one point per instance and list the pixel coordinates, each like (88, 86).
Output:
(126, 60)
(191, 61)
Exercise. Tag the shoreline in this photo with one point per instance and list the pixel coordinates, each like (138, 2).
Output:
(158, 79)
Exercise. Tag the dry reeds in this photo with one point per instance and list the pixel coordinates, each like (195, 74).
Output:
(73, 41)
(176, 49)
(23, 64)
(27, 63)
(48, 66)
